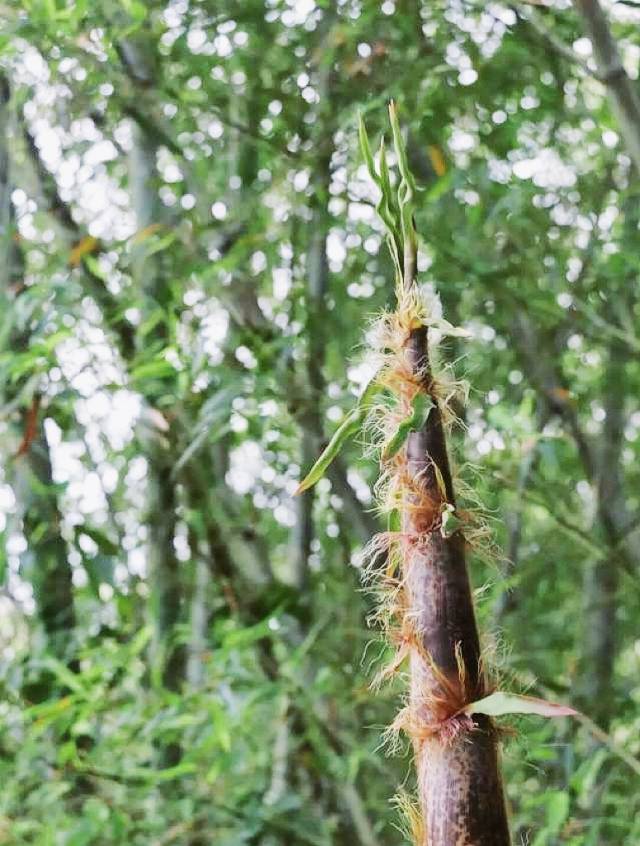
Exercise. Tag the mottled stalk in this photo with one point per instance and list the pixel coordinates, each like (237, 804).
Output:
(431, 615)
(460, 789)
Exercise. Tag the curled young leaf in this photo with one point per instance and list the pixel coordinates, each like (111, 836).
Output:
(420, 408)
(407, 187)
(386, 207)
(401, 152)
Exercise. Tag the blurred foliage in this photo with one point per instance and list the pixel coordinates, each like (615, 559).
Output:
(190, 255)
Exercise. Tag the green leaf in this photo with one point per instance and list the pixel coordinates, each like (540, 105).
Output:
(248, 635)
(386, 207)
(385, 179)
(399, 146)
(167, 774)
(154, 319)
(557, 802)
(371, 390)
(213, 424)
(421, 407)
(499, 703)
(388, 211)
(365, 149)
(157, 245)
(406, 190)
(347, 428)
(158, 368)
(137, 12)
(64, 674)
(394, 521)
(100, 570)
(139, 643)
(94, 266)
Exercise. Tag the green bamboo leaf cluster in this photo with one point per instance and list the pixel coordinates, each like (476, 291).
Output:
(395, 209)
(387, 205)
(406, 193)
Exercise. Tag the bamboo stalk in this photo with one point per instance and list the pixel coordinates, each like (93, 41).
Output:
(459, 784)
(460, 793)
(426, 605)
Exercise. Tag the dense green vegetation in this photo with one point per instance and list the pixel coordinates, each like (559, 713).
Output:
(190, 258)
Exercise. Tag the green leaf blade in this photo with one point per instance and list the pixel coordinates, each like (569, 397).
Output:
(347, 428)
(365, 149)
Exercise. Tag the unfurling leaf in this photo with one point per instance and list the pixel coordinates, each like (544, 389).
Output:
(347, 428)
(450, 521)
(500, 703)
(401, 154)
(394, 521)
(387, 205)
(421, 405)
(407, 188)
(448, 329)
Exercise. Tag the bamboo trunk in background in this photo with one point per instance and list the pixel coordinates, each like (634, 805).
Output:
(317, 286)
(168, 657)
(45, 561)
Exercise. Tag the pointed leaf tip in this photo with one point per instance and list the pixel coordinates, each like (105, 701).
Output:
(365, 148)
(347, 428)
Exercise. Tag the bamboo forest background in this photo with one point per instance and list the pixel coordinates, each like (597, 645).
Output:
(190, 253)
